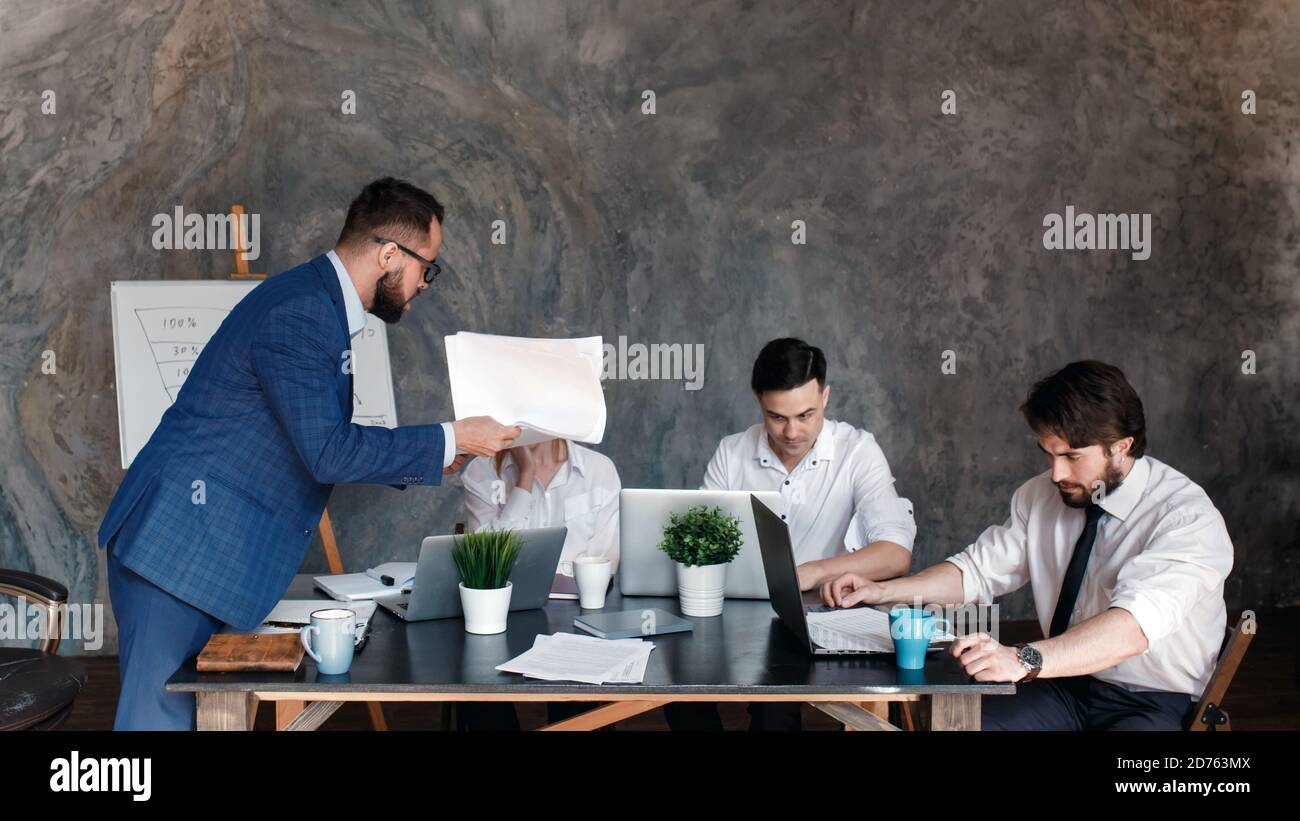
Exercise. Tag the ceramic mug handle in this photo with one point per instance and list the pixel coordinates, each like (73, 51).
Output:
(306, 642)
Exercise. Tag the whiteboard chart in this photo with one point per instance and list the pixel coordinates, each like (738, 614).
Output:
(160, 328)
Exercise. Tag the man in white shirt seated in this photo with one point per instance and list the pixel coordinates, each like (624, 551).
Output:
(1126, 558)
(837, 493)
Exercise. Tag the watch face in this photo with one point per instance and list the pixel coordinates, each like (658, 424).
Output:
(1031, 656)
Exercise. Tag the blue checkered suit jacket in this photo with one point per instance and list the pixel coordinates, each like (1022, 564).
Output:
(263, 422)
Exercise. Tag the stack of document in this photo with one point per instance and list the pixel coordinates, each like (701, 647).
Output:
(857, 628)
(566, 657)
(360, 586)
(549, 387)
(289, 615)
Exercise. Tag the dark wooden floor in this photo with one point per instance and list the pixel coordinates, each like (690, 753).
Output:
(1264, 696)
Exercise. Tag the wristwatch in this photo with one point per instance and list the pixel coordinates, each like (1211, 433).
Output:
(1031, 659)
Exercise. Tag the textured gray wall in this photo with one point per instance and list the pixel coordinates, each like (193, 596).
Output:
(923, 230)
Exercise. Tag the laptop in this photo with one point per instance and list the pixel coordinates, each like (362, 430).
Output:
(783, 580)
(435, 593)
(645, 570)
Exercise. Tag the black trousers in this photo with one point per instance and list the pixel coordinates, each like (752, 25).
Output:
(475, 716)
(1085, 703)
(703, 715)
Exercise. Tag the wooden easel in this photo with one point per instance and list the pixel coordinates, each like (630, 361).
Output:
(332, 560)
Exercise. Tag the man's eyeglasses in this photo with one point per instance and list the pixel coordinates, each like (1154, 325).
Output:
(431, 268)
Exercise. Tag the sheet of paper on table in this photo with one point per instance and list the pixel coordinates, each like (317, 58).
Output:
(549, 387)
(855, 628)
(587, 659)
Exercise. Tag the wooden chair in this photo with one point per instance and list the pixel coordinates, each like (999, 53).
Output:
(1210, 715)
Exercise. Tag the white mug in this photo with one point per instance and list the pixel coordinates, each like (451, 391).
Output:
(592, 574)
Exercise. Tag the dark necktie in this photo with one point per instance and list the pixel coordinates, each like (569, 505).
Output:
(1074, 573)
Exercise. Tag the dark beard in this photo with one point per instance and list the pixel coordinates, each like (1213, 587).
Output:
(388, 298)
(1111, 477)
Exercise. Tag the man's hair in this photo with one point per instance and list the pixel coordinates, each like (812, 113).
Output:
(784, 364)
(1087, 403)
(392, 209)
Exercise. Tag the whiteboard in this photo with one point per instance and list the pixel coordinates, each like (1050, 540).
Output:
(160, 328)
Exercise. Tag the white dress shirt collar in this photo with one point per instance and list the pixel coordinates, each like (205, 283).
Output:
(576, 462)
(351, 299)
(1121, 501)
(822, 449)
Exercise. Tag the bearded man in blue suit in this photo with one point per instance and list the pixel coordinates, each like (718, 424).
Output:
(216, 512)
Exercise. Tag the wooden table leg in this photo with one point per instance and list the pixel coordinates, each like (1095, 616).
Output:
(312, 715)
(603, 716)
(906, 709)
(955, 711)
(864, 716)
(286, 712)
(224, 711)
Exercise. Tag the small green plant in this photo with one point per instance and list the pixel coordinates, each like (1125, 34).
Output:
(486, 558)
(701, 536)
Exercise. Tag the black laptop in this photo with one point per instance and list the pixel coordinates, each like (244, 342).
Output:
(783, 580)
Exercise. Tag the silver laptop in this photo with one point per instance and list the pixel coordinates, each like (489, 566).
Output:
(645, 570)
(435, 592)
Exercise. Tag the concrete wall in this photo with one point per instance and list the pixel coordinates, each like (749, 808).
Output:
(924, 230)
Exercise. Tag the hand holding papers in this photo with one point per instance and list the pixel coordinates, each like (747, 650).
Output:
(566, 657)
(548, 387)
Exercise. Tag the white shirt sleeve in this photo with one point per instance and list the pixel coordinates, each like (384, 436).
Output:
(1188, 556)
(604, 539)
(482, 488)
(448, 444)
(715, 475)
(997, 563)
(877, 508)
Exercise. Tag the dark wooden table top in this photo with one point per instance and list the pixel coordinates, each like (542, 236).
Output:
(744, 651)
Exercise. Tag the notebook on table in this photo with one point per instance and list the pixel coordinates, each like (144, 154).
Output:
(631, 624)
(263, 652)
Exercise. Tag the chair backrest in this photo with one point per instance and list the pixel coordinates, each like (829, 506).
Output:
(43, 592)
(1209, 713)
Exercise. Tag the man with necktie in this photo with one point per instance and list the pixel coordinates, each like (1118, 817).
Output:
(1126, 558)
(213, 519)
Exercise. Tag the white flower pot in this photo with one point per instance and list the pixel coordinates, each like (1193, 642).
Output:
(700, 588)
(485, 610)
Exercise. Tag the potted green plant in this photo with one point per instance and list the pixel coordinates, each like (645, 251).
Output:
(484, 561)
(702, 541)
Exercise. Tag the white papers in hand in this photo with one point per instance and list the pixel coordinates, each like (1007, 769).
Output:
(568, 657)
(549, 387)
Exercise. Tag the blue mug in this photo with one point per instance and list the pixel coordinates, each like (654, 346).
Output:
(912, 628)
(330, 639)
